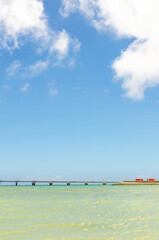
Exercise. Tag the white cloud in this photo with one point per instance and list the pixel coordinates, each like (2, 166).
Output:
(76, 88)
(37, 68)
(6, 88)
(25, 88)
(137, 66)
(58, 177)
(12, 69)
(22, 20)
(53, 91)
(106, 90)
(62, 44)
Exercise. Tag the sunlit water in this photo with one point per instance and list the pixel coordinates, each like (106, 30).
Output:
(79, 212)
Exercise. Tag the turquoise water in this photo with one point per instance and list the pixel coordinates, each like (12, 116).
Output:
(79, 212)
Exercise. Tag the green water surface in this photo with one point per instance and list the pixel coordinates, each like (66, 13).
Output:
(79, 212)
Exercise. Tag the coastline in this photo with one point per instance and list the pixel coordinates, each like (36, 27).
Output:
(138, 183)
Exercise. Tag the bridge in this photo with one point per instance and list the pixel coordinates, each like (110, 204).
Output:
(34, 182)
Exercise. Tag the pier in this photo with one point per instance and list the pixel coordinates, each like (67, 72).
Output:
(50, 183)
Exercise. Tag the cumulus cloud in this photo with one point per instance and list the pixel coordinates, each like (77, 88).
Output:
(22, 20)
(37, 68)
(53, 91)
(25, 88)
(62, 43)
(137, 66)
(12, 69)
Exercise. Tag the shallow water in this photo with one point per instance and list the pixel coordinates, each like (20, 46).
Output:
(79, 212)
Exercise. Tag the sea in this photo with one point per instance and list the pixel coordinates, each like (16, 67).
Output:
(79, 212)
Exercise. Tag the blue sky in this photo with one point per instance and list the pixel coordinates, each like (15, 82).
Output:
(71, 104)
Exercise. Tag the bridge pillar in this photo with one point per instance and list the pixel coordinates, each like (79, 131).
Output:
(16, 183)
